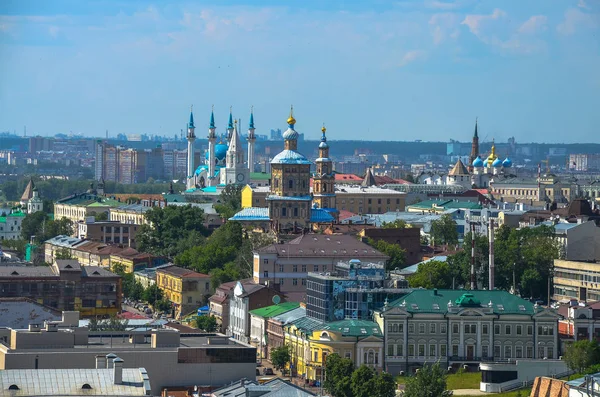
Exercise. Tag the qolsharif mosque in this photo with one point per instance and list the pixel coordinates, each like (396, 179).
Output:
(480, 173)
(224, 162)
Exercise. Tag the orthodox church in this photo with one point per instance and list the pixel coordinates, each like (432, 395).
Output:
(291, 208)
(224, 162)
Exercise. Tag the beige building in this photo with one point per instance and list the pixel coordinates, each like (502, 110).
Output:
(186, 289)
(132, 214)
(576, 280)
(530, 190)
(107, 232)
(170, 359)
(288, 264)
(79, 207)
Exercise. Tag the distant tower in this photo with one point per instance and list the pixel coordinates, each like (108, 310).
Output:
(101, 187)
(212, 137)
(191, 137)
(251, 140)
(235, 172)
(474, 148)
(230, 126)
(324, 179)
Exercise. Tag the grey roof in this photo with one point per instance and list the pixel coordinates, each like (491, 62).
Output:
(69, 382)
(318, 245)
(27, 271)
(290, 316)
(18, 313)
(64, 241)
(274, 388)
(96, 271)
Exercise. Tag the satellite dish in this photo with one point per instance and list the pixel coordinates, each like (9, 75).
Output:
(276, 299)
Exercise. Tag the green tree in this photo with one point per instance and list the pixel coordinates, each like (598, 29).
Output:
(385, 386)
(206, 323)
(103, 216)
(33, 225)
(429, 381)
(394, 251)
(280, 357)
(230, 201)
(113, 323)
(339, 373)
(152, 294)
(443, 230)
(397, 224)
(362, 382)
(581, 355)
(432, 274)
(63, 253)
(170, 226)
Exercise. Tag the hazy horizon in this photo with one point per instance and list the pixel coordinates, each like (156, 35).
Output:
(378, 70)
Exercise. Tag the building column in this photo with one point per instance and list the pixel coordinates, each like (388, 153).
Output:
(478, 350)
(461, 343)
(405, 349)
(380, 361)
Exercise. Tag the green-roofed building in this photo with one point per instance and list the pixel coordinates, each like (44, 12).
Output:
(457, 327)
(10, 224)
(258, 323)
(312, 340)
(78, 207)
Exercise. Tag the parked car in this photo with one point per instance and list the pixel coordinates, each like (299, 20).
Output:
(268, 371)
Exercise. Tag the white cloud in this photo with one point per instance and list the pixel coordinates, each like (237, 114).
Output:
(534, 24)
(443, 26)
(475, 22)
(575, 19)
(412, 56)
(582, 4)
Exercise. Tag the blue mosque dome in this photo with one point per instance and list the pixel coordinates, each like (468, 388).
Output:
(220, 152)
(497, 163)
(478, 162)
(507, 163)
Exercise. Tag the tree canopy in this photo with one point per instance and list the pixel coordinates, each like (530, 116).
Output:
(280, 357)
(396, 253)
(43, 228)
(344, 380)
(581, 355)
(230, 201)
(206, 323)
(339, 372)
(432, 274)
(443, 230)
(430, 380)
(171, 230)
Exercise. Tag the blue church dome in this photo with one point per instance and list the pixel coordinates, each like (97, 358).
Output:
(478, 162)
(507, 162)
(497, 163)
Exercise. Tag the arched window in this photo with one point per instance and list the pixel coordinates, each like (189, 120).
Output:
(395, 328)
(13, 387)
(371, 357)
(291, 183)
(324, 188)
(86, 386)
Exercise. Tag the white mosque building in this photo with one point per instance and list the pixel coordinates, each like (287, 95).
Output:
(224, 162)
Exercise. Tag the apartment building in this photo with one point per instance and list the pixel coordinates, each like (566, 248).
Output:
(287, 265)
(275, 336)
(579, 321)
(186, 289)
(576, 280)
(461, 327)
(66, 285)
(258, 323)
(132, 260)
(171, 359)
(107, 232)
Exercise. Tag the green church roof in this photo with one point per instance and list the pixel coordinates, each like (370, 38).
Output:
(275, 310)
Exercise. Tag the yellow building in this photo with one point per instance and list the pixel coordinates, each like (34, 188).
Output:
(78, 207)
(186, 289)
(311, 341)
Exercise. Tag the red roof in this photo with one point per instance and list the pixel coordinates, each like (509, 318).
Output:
(347, 178)
(344, 214)
(131, 316)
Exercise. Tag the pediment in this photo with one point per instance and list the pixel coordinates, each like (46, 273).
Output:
(547, 313)
(396, 311)
(470, 313)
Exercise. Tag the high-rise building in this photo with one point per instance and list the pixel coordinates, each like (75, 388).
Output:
(127, 160)
(584, 162)
(107, 162)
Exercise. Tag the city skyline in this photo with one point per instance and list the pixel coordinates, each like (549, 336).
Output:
(378, 71)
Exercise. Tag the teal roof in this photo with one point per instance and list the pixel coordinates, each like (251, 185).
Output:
(290, 157)
(308, 324)
(212, 120)
(354, 328)
(191, 123)
(230, 125)
(262, 176)
(275, 310)
(437, 301)
(249, 214)
(251, 123)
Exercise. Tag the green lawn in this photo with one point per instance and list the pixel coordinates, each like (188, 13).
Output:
(524, 393)
(465, 380)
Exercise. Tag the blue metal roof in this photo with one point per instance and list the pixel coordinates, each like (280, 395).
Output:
(290, 134)
(289, 198)
(251, 214)
(290, 157)
(318, 215)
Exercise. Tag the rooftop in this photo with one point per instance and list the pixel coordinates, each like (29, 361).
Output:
(354, 328)
(18, 313)
(275, 310)
(73, 382)
(181, 272)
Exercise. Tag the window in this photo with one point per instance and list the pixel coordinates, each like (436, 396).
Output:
(432, 328)
(455, 328)
(411, 350)
(265, 261)
(411, 328)
(540, 351)
(303, 268)
(400, 327)
(303, 281)
(432, 350)
(280, 268)
(470, 329)
(497, 351)
(454, 350)
(316, 268)
(421, 350)
(550, 352)
(518, 352)
(508, 330)
(507, 351)
(281, 281)
(484, 329)
(294, 281)
(295, 268)
(443, 351)
(442, 328)
(283, 211)
(348, 355)
(390, 350)
(291, 183)
(530, 331)
(266, 274)
(497, 329)
(421, 328)
(295, 211)
(529, 350)
(394, 328)
(399, 349)
(189, 299)
(484, 351)
(519, 330)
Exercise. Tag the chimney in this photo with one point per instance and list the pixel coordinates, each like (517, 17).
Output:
(109, 359)
(100, 362)
(118, 370)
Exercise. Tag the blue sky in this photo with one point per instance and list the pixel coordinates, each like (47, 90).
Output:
(379, 70)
